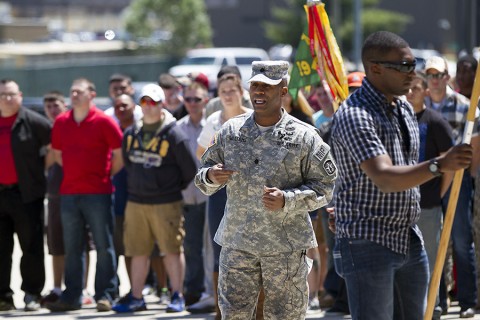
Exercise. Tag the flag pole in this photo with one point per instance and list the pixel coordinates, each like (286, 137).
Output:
(452, 205)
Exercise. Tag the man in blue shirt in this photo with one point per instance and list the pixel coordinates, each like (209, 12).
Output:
(379, 248)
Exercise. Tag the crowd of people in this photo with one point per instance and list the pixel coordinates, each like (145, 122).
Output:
(222, 204)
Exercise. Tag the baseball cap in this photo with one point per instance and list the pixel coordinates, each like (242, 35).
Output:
(269, 72)
(153, 91)
(355, 79)
(437, 63)
(198, 77)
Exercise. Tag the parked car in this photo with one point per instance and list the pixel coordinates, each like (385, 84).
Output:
(36, 103)
(209, 61)
(422, 55)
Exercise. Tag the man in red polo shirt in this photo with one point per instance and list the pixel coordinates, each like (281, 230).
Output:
(88, 145)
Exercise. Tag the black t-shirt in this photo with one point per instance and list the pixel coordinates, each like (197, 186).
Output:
(180, 112)
(435, 138)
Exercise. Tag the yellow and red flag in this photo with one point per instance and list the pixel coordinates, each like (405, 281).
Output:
(326, 57)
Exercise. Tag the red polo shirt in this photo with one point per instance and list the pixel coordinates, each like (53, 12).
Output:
(8, 172)
(86, 151)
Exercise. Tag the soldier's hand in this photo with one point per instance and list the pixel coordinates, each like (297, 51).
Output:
(218, 174)
(273, 198)
(331, 219)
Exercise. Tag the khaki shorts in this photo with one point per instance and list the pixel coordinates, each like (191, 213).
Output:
(146, 223)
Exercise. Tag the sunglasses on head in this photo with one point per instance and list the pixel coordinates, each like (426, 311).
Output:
(402, 66)
(431, 76)
(192, 99)
(147, 102)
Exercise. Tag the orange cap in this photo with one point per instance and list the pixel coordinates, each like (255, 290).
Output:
(355, 79)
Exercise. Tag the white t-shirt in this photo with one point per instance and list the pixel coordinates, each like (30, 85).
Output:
(137, 113)
(212, 125)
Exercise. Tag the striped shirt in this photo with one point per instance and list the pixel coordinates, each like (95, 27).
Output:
(367, 126)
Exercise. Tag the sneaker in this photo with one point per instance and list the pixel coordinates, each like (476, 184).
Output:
(51, 297)
(164, 296)
(326, 300)
(61, 306)
(87, 298)
(437, 313)
(177, 304)
(148, 290)
(467, 313)
(104, 305)
(32, 302)
(206, 304)
(335, 311)
(313, 305)
(6, 304)
(129, 304)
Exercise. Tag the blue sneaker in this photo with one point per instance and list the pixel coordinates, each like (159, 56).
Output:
(177, 303)
(129, 304)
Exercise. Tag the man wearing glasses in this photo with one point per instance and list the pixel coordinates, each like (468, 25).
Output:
(454, 108)
(379, 250)
(24, 138)
(159, 166)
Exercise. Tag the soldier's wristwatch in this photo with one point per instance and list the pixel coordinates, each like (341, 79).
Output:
(434, 167)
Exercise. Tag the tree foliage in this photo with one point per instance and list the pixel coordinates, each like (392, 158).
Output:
(187, 20)
(289, 19)
(288, 23)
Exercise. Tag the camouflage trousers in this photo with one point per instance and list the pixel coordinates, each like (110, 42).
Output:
(282, 275)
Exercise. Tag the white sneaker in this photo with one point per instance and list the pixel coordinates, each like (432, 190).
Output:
(164, 296)
(148, 290)
(206, 304)
(313, 305)
(87, 298)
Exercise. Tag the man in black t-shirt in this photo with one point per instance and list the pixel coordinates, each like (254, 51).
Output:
(435, 138)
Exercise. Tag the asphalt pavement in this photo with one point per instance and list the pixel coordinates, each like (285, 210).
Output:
(155, 310)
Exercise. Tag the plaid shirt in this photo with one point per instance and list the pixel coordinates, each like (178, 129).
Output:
(454, 108)
(364, 127)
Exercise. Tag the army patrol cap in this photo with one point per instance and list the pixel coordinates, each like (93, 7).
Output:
(269, 72)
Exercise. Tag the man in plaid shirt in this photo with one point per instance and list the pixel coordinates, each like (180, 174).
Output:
(375, 138)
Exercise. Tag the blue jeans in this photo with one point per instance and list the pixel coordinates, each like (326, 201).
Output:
(193, 245)
(430, 223)
(378, 279)
(462, 240)
(215, 210)
(332, 280)
(94, 210)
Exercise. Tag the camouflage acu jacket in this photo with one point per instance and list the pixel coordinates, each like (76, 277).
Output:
(290, 156)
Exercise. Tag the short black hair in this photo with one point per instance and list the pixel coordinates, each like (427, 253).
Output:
(469, 59)
(229, 69)
(117, 77)
(54, 96)
(380, 43)
(423, 78)
(166, 80)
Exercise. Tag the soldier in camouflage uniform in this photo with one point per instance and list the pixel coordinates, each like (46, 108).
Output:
(276, 169)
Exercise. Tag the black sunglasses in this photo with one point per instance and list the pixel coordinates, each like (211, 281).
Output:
(431, 76)
(402, 66)
(192, 99)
